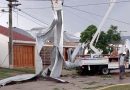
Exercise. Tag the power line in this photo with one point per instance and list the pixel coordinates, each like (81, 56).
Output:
(94, 4)
(37, 0)
(78, 15)
(1, 14)
(3, 7)
(82, 17)
(28, 18)
(33, 17)
(3, 3)
(38, 8)
(91, 13)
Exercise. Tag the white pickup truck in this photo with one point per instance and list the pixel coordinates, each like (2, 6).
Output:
(99, 65)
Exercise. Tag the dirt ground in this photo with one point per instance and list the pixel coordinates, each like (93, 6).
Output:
(76, 82)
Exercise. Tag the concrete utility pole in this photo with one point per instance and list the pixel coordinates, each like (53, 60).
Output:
(11, 5)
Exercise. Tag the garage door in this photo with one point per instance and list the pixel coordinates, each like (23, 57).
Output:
(23, 56)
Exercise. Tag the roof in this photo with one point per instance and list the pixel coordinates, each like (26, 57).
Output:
(65, 44)
(67, 36)
(125, 37)
(16, 36)
(23, 32)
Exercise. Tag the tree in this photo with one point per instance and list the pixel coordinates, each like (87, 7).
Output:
(87, 34)
(112, 36)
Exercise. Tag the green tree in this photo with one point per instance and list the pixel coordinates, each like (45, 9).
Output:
(112, 36)
(87, 34)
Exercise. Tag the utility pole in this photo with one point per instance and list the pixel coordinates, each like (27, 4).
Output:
(11, 5)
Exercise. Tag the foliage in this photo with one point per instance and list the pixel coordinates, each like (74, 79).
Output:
(112, 36)
(87, 34)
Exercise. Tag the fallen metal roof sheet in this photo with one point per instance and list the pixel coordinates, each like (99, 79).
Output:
(17, 78)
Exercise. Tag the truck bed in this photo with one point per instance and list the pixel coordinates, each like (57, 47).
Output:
(93, 61)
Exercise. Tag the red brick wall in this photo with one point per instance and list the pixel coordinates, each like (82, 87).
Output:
(46, 55)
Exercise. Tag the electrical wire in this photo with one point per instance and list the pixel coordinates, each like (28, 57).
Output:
(82, 17)
(4, 59)
(3, 3)
(33, 17)
(37, 0)
(38, 8)
(73, 13)
(3, 7)
(28, 19)
(91, 13)
(1, 14)
(94, 4)
(17, 18)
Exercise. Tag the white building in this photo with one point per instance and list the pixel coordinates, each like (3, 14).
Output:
(23, 48)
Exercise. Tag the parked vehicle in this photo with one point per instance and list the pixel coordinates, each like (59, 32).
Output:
(96, 62)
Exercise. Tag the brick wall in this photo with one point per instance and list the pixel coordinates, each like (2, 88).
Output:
(46, 55)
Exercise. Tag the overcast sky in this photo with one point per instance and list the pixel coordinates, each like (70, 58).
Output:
(79, 14)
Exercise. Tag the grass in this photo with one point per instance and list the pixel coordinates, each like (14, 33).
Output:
(93, 88)
(25, 70)
(71, 72)
(4, 72)
(118, 87)
(106, 76)
(127, 74)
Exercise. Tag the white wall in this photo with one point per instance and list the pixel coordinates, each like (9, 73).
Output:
(4, 56)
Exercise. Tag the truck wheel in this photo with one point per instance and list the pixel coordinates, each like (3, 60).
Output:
(105, 71)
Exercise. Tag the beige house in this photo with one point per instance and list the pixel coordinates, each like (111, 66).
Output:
(23, 49)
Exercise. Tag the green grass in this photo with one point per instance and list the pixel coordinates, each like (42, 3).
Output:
(93, 88)
(4, 72)
(3, 75)
(25, 70)
(119, 87)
